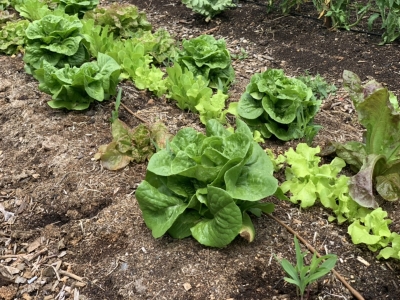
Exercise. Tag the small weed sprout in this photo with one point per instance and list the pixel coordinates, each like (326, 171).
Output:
(241, 56)
(302, 275)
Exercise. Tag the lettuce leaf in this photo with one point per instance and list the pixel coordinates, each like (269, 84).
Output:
(209, 58)
(96, 38)
(371, 230)
(32, 9)
(160, 45)
(131, 145)
(202, 185)
(12, 36)
(136, 65)
(393, 250)
(377, 160)
(57, 40)
(275, 104)
(150, 78)
(122, 19)
(72, 7)
(212, 108)
(307, 182)
(193, 93)
(186, 88)
(75, 88)
(225, 221)
(208, 8)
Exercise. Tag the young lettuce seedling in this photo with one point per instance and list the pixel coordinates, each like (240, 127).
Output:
(302, 275)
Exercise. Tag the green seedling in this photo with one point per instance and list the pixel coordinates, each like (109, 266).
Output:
(241, 56)
(302, 275)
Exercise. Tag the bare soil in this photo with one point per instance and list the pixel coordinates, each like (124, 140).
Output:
(77, 231)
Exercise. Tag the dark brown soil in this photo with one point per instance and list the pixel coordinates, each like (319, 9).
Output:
(87, 220)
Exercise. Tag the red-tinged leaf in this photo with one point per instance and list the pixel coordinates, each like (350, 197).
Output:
(361, 185)
(388, 186)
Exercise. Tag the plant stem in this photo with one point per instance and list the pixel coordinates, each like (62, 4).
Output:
(133, 114)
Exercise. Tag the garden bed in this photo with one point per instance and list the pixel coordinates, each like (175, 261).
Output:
(83, 220)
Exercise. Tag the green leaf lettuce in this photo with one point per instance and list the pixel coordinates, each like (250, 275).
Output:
(201, 185)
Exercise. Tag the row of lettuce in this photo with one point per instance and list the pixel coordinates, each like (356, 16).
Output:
(79, 61)
(206, 185)
(344, 14)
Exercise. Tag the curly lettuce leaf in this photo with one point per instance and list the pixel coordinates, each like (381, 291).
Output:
(212, 108)
(392, 251)
(160, 45)
(372, 230)
(308, 182)
(12, 37)
(150, 78)
(136, 65)
(129, 55)
(193, 93)
(123, 19)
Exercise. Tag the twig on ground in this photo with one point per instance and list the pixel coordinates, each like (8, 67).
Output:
(133, 114)
(30, 257)
(312, 249)
(279, 18)
(157, 294)
(11, 256)
(113, 269)
(55, 271)
(210, 30)
(76, 277)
